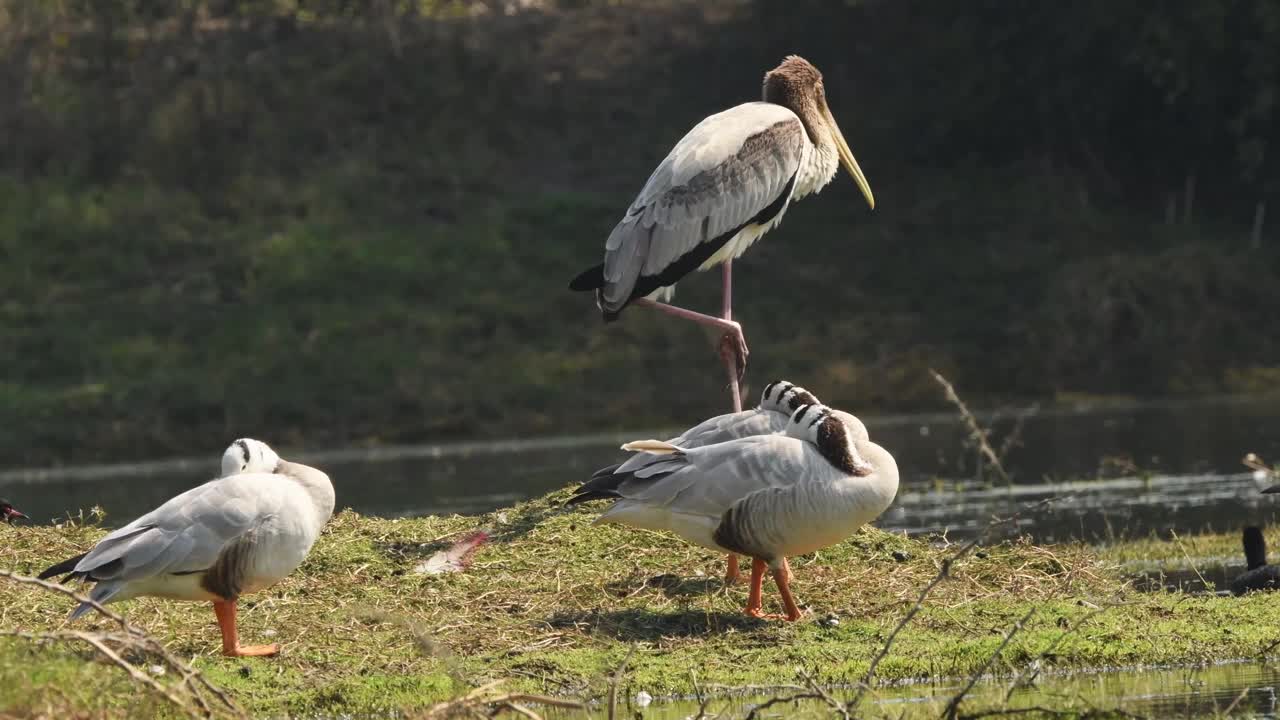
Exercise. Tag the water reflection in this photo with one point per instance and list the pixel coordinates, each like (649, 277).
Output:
(1183, 460)
(1230, 690)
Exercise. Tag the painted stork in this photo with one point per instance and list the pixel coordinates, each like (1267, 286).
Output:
(725, 184)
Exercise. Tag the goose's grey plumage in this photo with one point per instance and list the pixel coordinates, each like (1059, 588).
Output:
(778, 400)
(767, 496)
(234, 535)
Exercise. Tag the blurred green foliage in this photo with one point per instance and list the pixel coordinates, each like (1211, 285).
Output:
(337, 222)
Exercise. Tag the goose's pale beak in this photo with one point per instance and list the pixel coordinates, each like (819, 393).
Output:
(13, 513)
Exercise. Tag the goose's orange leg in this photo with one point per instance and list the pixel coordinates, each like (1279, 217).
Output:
(755, 596)
(731, 572)
(231, 647)
(782, 576)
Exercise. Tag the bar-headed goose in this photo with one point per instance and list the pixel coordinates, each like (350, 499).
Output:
(779, 399)
(9, 513)
(1258, 575)
(235, 535)
(766, 496)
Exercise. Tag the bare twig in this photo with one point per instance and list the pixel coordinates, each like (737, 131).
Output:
(1188, 557)
(1234, 703)
(477, 703)
(949, 711)
(975, 430)
(1043, 711)
(613, 684)
(806, 695)
(69, 592)
(187, 693)
(519, 709)
(831, 702)
(1021, 677)
(1014, 437)
(944, 571)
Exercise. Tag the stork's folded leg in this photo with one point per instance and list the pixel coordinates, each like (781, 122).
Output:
(231, 647)
(733, 337)
(731, 572)
(755, 596)
(733, 350)
(733, 346)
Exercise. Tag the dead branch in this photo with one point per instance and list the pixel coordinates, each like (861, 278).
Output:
(1033, 666)
(1043, 711)
(831, 702)
(949, 711)
(806, 695)
(484, 701)
(944, 571)
(613, 684)
(187, 693)
(975, 430)
(1014, 437)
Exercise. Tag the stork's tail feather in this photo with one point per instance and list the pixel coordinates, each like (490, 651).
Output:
(63, 568)
(657, 447)
(589, 279)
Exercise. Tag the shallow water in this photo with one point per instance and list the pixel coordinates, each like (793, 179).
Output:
(1179, 465)
(1246, 689)
(1173, 466)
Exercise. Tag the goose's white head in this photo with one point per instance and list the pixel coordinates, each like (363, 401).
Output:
(247, 455)
(838, 442)
(784, 397)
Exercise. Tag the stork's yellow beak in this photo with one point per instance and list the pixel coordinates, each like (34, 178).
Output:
(846, 159)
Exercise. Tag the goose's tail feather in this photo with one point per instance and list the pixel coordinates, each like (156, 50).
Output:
(65, 567)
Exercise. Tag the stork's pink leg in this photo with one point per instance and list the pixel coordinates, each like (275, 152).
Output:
(733, 348)
(728, 351)
(733, 342)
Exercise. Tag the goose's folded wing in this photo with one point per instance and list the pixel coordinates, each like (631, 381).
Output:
(721, 428)
(186, 534)
(707, 481)
(732, 426)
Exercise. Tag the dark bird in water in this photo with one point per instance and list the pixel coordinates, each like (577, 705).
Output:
(9, 513)
(1259, 575)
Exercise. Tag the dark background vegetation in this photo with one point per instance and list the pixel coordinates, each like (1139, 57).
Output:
(353, 222)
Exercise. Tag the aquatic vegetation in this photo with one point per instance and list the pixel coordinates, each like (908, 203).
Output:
(552, 604)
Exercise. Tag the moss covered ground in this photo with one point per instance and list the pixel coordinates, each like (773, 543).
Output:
(554, 604)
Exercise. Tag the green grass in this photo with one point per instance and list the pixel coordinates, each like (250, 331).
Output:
(554, 604)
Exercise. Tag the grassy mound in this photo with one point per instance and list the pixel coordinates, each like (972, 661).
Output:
(553, 604)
